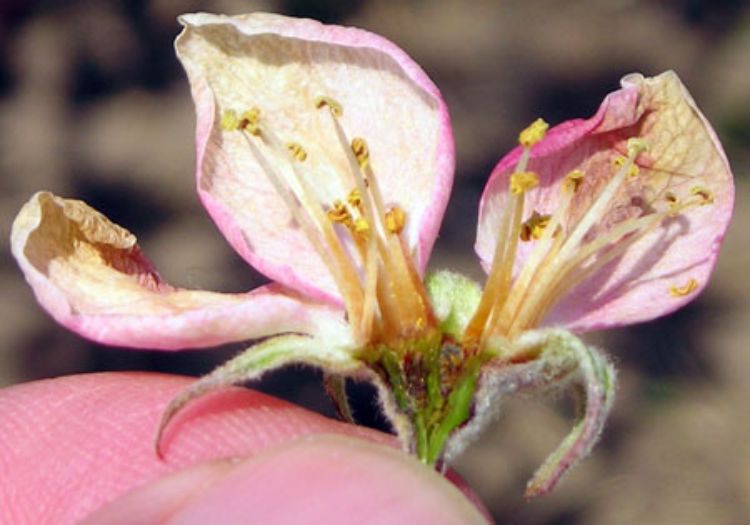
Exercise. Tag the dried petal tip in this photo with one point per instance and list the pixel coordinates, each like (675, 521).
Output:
(534, 133)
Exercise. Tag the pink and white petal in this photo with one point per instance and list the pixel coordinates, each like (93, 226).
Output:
(282, 65)
(92, 277)
(565, 147)
(684, 154)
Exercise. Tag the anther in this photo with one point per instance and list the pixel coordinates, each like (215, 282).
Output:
(706, 195)
(533, 134)
(338, 213)
(361, 227)
(395, 218)
(573, 181)
(534, 226)
(522, 181)
(636, 146)
(333, 106)
(673, 202)
(297, 151)
(361, 151)
(355, 199)
(620, 161)
(248, 121)
(686, 289)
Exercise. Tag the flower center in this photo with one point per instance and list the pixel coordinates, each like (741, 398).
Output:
(594, 222)
(357, 236)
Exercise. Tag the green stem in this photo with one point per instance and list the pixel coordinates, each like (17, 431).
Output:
(459, 410)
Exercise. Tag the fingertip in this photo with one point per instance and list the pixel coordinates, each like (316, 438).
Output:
(330, 479)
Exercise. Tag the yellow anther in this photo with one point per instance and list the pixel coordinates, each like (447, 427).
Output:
(395, 218)
(573, 181)
(620, 161)
(355, 199)
(338, 213)
(636, 146)
(674, 203)
(297, 151)
(706, 195)
(248, 121)
(533, 134)
(534, 226)
(522, 181)
(229, 120)
(361, 227)
(361, 151)
(333, 106)
(686, 289)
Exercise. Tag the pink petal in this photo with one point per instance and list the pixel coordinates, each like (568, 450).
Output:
(281, 65)
(92, 277)
(684, 153)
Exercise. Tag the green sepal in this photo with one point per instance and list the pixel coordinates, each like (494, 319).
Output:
(454, 300)
(251, 364)
(335, 385)
(595, 376)
(553, 359)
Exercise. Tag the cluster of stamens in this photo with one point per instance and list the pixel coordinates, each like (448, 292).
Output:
(357, 236)
(568, 248)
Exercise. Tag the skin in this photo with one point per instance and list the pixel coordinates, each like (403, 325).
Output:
(81, 448)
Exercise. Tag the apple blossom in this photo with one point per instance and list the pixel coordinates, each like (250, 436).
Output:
(325, 157)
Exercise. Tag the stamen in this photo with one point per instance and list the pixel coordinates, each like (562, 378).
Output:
(520, 182)
(330, 249)
(534, 226)
(297, 151)
(533, 134)
(673, 203)
(395, 220)
(572, 181)
(561, 276)
(602, 202)
(549, 270)
(635, 146)
(403, 301)
(249, 121)
(544, 252)
(706, 195)
(361, 151)
(355, 199)
(333, 106)
(339, 213)
(620, 161)
(361, 227)
(686, 289)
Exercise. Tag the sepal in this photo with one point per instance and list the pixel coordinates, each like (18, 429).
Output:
(543, 362)
(251, 364)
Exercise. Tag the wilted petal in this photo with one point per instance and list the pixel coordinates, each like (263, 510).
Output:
(92, 277)
(281, 66)
(665, 265)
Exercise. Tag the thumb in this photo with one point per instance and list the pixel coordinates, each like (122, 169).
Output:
(322, 478)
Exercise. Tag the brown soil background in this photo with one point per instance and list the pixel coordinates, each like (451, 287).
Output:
(93, 105)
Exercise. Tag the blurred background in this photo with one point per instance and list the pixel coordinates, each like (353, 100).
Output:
(93, 105)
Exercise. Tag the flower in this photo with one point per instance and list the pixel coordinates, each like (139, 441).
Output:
(325, 157)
